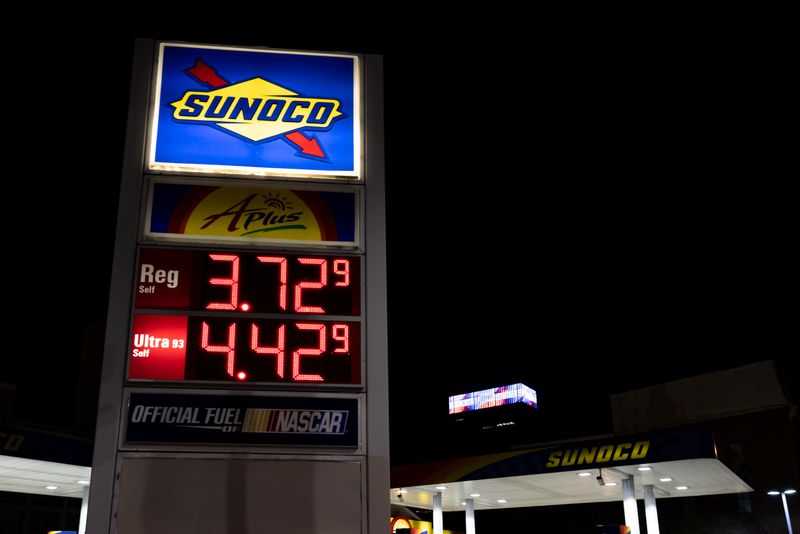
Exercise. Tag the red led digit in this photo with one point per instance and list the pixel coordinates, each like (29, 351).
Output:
(298, 288)
(342, 268)
(229, 349)
(341, 332)
(297, 354)
(282, 274)
(279, 350)
(233, 282)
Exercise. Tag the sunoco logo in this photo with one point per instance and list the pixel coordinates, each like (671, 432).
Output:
(257, 110)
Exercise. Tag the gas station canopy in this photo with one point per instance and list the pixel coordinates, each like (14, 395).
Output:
(24, 475)
(677, 463)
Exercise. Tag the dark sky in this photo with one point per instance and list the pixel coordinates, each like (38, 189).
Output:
(584, 210)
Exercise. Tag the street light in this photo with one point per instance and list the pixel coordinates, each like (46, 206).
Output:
(783, 495)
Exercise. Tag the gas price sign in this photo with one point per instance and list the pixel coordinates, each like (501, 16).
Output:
(246, 317)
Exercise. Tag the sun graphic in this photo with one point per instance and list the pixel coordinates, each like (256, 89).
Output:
(277, 201)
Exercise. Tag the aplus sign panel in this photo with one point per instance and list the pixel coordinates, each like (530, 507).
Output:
(258, 112)
(253, 215)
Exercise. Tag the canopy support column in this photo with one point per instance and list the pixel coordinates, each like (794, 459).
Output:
(650, 509)
(437, 514)
(629, 502)
(470, 516)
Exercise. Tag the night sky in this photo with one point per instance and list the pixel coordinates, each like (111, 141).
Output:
(584, 211)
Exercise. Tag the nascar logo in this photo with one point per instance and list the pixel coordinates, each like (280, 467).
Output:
(257, 110)
(295, 421)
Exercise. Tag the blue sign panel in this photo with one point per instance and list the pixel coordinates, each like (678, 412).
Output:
(261, 112)
(242, 420)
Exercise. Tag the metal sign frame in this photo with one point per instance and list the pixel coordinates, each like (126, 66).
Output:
(373, 453)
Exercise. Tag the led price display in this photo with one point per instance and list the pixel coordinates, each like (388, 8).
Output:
(170, 347)
(246, 317)
(175, 279)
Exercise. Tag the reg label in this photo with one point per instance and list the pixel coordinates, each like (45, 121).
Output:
(163, 279)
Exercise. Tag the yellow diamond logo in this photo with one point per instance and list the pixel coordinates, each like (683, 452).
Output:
(256, 109)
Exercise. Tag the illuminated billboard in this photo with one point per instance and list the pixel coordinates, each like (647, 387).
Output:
(489, 398)
(256, 112)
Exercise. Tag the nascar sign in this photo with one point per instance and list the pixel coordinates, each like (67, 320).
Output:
(242, 420)
(255, 112)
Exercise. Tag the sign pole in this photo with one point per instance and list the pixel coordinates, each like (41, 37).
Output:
(378, 366)
(246, 348)
(109, 404)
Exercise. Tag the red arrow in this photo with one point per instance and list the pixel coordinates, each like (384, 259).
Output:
(207, 75)
(308, 147)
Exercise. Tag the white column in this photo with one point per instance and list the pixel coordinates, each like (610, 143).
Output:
(786, 512)
(84, 510)
(650, 509)
(437, 514)
(470, 516)
(629, 502)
